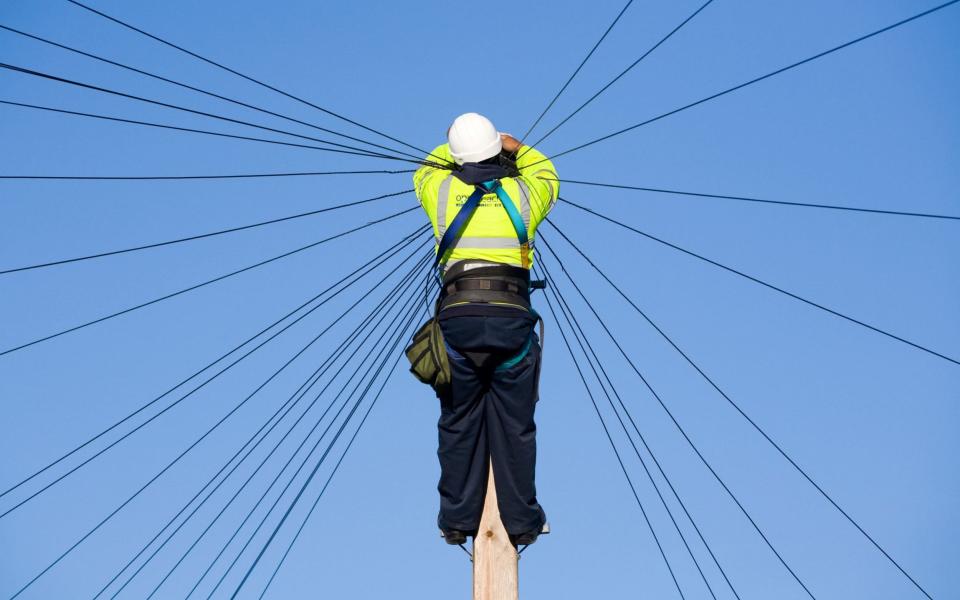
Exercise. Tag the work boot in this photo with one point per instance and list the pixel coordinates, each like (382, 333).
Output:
(454, 537)
(528, 537)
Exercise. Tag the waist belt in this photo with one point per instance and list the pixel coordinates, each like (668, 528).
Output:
(485, 297)
(493, 285)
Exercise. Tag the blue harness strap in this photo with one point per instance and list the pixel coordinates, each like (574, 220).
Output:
(452, 233)
(518, 225)
(512, 362)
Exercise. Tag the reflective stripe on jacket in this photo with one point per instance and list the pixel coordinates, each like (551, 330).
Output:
(489, 235)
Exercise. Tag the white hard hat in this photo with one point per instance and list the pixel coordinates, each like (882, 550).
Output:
(473, 138)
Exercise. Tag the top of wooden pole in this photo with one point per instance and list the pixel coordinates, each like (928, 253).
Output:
(495, 559)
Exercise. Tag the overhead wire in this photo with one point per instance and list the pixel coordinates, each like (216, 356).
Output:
(756, 79)
(670, 414)
(624, 72)
(764, 283)
(172, 463)
(656, 461)
(384, 305)
(385, 353)
(758, 200)
(200, 90)
(389, 252)
(588, 351)
(204, 283)
(200, 177)
(166, 409)
(188, 394)
(577, 70)
(204, 235)
(285, 408)
(349, 149)
(398, 293)
(246, 77)
(597, 363)
(333, 472)
(613, 445)
(734, 404)
(293, 456)
(719, 480)
(231, 136)
(556, 293)
(195, 389)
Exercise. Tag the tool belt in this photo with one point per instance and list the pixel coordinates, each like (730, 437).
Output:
(495, 284)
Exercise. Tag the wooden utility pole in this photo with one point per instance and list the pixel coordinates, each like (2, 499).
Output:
(495, 559)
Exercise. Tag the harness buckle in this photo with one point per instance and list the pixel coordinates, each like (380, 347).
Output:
(492, 185)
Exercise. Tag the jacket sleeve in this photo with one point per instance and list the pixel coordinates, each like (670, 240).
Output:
(541, 178)
(427, 179)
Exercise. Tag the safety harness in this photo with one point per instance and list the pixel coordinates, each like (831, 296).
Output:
(452, 234)
(428, 352)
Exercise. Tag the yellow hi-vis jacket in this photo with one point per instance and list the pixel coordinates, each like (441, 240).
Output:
(489, 236)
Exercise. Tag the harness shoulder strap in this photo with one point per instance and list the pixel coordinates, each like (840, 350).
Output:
(453, 232)
(518, 225)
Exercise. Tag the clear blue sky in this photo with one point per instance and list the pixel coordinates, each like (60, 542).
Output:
(873, 420)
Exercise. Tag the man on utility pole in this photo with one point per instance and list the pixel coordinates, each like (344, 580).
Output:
(481, 351)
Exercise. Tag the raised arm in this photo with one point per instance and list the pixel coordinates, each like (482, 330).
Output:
(538, 172)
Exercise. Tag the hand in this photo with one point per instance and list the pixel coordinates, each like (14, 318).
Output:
(510, 143)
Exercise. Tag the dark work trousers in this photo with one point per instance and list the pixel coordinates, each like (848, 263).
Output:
(489, 415)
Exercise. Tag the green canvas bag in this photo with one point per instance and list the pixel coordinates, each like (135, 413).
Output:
(427, 354)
